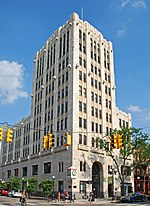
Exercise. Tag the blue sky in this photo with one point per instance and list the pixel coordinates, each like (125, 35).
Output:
(26, 25)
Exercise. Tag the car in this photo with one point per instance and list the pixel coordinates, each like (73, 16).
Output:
(135, 197)
(13, 193)
(5, 191)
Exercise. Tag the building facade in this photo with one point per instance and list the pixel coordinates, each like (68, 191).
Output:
(74, 93)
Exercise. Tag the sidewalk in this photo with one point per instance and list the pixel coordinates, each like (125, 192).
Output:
(80, 201)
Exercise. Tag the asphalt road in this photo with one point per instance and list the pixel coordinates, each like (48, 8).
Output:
(7, 201)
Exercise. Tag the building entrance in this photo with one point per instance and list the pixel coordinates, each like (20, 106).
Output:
(97, 182)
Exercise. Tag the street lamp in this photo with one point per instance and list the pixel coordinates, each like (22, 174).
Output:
(22, 184)
(113, 171)
(138, 184)
(53, 177)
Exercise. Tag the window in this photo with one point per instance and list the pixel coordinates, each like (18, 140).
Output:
(66, 121)
(8, 173)
(57, 141)
(126, 170)
(84, 123)
(80, 75)
(97, 143)
(96, 112)
(16, 171)
(96, 84)
(96, 98)
(92, 126)
(92, 96)
(62, 124)
(80, 47)
(120, 123)
(66, 91)
(82, 186)
(47, 167)
(80, 138)
(84, 49)
(80, 34)
(96, 127)
(100, 129)
(80, 122)
(84, 77)
(60, 166)
(106, 103)
(92, 82)
(92, 111)
(81, 166)
(106, 117)
(85, 140)
(80, 106)
(80, 90)
(91, 68)
(105, 89)
(35, 170)
(84, 63)
(109, 104)
(84, 92)
(93, 141)
(84, 107)
(24, 171)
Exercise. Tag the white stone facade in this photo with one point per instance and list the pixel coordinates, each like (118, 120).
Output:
(74, 92)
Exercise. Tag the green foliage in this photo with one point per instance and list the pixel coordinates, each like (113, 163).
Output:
(31, 184)
(46, 186)
(15, 183)
(3, 184)
(134, 146)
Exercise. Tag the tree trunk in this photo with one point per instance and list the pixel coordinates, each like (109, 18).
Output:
(122, 189)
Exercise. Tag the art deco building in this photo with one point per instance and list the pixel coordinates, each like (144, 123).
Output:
(74, 93)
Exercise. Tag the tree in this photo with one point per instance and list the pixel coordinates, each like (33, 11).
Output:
(3, 184)
(142, 159)
(132, 139)
(31, 185)
(46, 186)
(15, 183)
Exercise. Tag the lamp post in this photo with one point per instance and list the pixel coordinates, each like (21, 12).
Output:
(113, 171)
(22, 184)
(138, 184)
(53, 177)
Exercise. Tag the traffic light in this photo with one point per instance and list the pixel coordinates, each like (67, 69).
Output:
(113, 141)
(51, 139)
(1, 134)
(67, 139)
(9, 135)
(119, 141)
(45, 142)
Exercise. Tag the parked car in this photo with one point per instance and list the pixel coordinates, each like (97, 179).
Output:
(13, 193)
(4, 191)
(135, 197)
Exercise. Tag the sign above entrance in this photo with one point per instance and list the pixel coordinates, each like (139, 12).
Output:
(72, 172)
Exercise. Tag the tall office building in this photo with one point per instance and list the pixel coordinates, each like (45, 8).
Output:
(73, 94)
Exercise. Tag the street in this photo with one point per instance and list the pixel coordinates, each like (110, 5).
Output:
(4, 201)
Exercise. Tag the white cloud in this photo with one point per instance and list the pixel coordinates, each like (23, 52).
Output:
(124, 3)
(147, 116)
(11, 82)
(121, 32)
(139, 4)
(133, 108)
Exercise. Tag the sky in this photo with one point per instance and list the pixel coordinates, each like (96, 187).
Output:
(26, 25)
